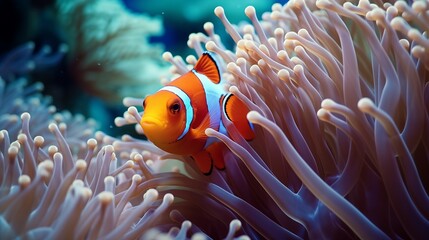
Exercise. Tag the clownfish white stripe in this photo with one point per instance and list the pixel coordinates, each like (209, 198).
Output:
(188, 107)
(211, 140)
(213, 93)
(225, 100)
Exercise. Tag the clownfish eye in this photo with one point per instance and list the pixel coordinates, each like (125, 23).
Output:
(175, 108)
(144, 103)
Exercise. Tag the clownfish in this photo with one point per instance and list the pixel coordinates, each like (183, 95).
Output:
(176, 116)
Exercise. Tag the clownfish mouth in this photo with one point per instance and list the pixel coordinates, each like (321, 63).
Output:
(151, 123)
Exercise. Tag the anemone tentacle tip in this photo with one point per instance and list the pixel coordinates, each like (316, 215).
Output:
(132, 110)
(211, 45)
(80, 165)
(233, 89)
(137, 178)
(235, 224)
(326, 103)
(365, 104)
(232, 67)
(105, 197)
(323, 114)
(209, 131)
(253, 115)
(219, 11)
(92, 143)
(168, 198)
(24, 180)
(25, 116)
(208, 26)
(39, 141)
(151, 194)
(108, 179)
(22, 138)
(186, 224)
(53, 127)
(250, 11)
(167, 56)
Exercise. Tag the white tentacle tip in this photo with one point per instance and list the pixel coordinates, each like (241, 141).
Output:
(91, 143)
(24, 180)
(232, 67)
(211, 46)
(109, 180)
(250, 11)
(25, 116)
(365, 104)
(167, 56)
(105, 197)
(80, 165)
(137, 178)
(132, 110)
(323, 114)
(168, 198)
(219, 11)
(52, 127)
(235, 225)
(208, 26)
(151, 194)
(209, 131)
(326, 103)
(186, 224)
(233, 89)
(253, 115)
(38, 141)
(45, 168)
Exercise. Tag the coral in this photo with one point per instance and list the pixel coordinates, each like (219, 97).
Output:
(110, 54)
(339, 98)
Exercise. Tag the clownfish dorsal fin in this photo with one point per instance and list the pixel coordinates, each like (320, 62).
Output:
(207, 65)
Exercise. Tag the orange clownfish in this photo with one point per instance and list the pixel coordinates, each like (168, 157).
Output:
(176, 116)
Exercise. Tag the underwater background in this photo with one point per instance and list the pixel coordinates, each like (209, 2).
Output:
(67, 28)
(338, 93)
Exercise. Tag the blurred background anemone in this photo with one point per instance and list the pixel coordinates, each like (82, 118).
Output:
(110, 53)
(339, 95)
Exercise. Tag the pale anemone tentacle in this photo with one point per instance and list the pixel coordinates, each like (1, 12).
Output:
(342, 87)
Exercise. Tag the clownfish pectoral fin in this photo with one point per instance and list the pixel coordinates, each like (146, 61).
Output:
(200, 131)
(216, 151)
(204, 162)
(236, 111)
(206, 65)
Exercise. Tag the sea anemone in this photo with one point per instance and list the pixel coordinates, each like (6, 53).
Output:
(110, 53)
(340, 99)
(58, 178)
(61, 182)
(339, 93)
(79, 190)
(24, 59)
